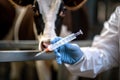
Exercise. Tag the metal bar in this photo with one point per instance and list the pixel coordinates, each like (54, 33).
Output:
(19, 44)
(26, 55)
(23, 55)
(32, 44)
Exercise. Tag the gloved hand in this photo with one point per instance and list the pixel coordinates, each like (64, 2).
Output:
(67, 53)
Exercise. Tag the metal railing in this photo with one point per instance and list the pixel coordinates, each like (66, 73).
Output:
(25, 50)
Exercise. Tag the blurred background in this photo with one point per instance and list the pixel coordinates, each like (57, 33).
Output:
(99, 11)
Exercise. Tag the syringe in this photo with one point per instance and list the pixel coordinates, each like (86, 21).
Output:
(61, 42)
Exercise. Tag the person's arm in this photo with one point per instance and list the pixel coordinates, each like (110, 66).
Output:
(101, 56)
(104, 52)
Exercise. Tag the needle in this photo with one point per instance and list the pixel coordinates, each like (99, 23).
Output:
(40, 53)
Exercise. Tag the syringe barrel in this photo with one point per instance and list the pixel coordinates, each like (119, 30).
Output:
(62, 42)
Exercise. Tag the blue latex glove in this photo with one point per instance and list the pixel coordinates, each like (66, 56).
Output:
(67, 53)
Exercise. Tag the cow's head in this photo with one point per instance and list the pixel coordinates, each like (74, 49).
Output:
(48, 16)
(51, 13)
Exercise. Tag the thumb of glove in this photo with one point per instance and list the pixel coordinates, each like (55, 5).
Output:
(58, 57)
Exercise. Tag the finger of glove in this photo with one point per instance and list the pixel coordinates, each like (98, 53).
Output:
(55, 40)
(58, 56)
(74, 49)
(72, 46)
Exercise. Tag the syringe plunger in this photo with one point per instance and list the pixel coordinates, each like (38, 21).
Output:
(79, 32)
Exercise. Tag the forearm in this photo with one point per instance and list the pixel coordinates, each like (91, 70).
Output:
(94, 62)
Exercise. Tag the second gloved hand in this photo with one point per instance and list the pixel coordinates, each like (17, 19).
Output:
(67, 53)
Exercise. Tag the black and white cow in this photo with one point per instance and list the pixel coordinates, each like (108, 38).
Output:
(51, 13)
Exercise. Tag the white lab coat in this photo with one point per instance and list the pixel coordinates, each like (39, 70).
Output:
(104, 52)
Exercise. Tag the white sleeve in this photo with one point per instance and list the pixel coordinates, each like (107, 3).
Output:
(103, 54)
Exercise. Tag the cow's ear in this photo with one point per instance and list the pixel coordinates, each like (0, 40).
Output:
(74, 4)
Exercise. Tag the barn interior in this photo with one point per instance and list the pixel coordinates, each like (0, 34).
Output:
(89, 18)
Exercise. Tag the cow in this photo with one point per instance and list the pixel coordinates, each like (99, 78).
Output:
(45, 24)
(11, 18)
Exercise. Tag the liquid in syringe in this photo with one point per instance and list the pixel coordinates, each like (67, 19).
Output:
(61, 42)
